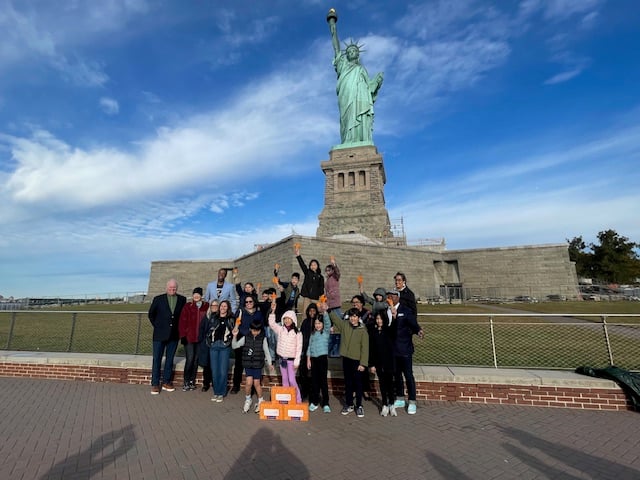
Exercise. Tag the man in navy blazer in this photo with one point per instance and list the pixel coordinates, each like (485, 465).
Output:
(404, 324)
(164, 315)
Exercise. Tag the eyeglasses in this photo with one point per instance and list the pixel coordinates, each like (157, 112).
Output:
(248, 302)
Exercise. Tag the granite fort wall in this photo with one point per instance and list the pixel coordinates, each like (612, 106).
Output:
(531, 270)
(188, 273)
(538, 271)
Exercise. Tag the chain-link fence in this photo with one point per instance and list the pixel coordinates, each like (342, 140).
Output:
(82, 332)
(531, 340)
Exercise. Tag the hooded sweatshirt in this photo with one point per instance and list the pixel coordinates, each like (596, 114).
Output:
(289, 342)
(377, 306)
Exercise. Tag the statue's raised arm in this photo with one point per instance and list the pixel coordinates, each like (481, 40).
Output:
(356, 91)
(332, 19)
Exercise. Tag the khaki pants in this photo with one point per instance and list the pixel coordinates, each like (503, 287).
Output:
(305, 303)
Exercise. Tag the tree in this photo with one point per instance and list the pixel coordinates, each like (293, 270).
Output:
(614, 260)
(581, 258)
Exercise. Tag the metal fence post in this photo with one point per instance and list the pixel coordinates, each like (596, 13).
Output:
(10, 336)
(606, 337)
(74, 315)
(493, 342)
(138, 335)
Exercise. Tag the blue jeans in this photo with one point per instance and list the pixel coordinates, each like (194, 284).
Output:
(219, 355)
(271, 342)
(159, 347)
(334, 345)
(404, 366)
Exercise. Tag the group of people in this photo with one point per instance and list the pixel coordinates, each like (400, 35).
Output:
(230, 319)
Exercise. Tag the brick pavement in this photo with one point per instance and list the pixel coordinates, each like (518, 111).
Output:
(54, 429)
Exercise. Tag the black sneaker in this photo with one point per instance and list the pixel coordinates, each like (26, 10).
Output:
(205, 388)
(360, 411)
(234, 390)
(185, 388)
(347, 410)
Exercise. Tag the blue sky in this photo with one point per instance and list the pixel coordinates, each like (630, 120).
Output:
(133, 130)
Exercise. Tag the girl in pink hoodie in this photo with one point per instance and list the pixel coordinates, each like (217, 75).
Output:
(288, 346)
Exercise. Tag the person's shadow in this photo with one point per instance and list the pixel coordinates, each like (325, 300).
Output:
(265, 455)
(103, 451)
(575, 459)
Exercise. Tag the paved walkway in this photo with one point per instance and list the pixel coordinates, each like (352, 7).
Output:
(52, 429)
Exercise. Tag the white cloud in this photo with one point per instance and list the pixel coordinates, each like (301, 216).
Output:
(109, 106)
(57, 34)
(268, 122)
(567, 191)
(563, 76)
(563, 9)
(447, 47)
(80, 72)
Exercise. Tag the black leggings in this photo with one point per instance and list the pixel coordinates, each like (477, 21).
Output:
(319, 384)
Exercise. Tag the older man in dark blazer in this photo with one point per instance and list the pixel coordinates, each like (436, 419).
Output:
(164, 315)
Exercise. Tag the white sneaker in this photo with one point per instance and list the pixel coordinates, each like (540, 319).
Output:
(257, 409)
(385, 411)
(247, 405)
(392, 411)
(313, 407)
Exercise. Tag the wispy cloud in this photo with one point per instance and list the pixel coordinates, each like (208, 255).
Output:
(559, 10)
(567, 20)
(46, 166)
(58, 35)
(535, 196)
(563, 76)
(109, 106)
(455, 44)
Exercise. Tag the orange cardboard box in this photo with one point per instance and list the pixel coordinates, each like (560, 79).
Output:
(283, 395)
(298, 412)
(271, 411)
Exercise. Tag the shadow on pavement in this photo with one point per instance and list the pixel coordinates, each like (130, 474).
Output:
(445, 468)
(265, 454)
(104, 450)
(571, 457)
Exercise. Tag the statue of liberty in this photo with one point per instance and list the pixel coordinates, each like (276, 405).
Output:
(356, 91)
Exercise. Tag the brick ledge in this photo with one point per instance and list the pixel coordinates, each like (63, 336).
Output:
(548, 388)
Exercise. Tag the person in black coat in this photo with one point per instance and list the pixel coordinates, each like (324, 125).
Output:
(164, 315)
(313, 283)
(382, 360)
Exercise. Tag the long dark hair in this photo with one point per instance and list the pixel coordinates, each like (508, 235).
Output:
(229, 309)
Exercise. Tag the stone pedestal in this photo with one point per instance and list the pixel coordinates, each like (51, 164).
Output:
(354, 195)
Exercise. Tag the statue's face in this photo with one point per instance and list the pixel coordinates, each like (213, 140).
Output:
(352, 53)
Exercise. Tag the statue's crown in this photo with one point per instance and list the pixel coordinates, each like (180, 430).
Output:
(355, 45)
